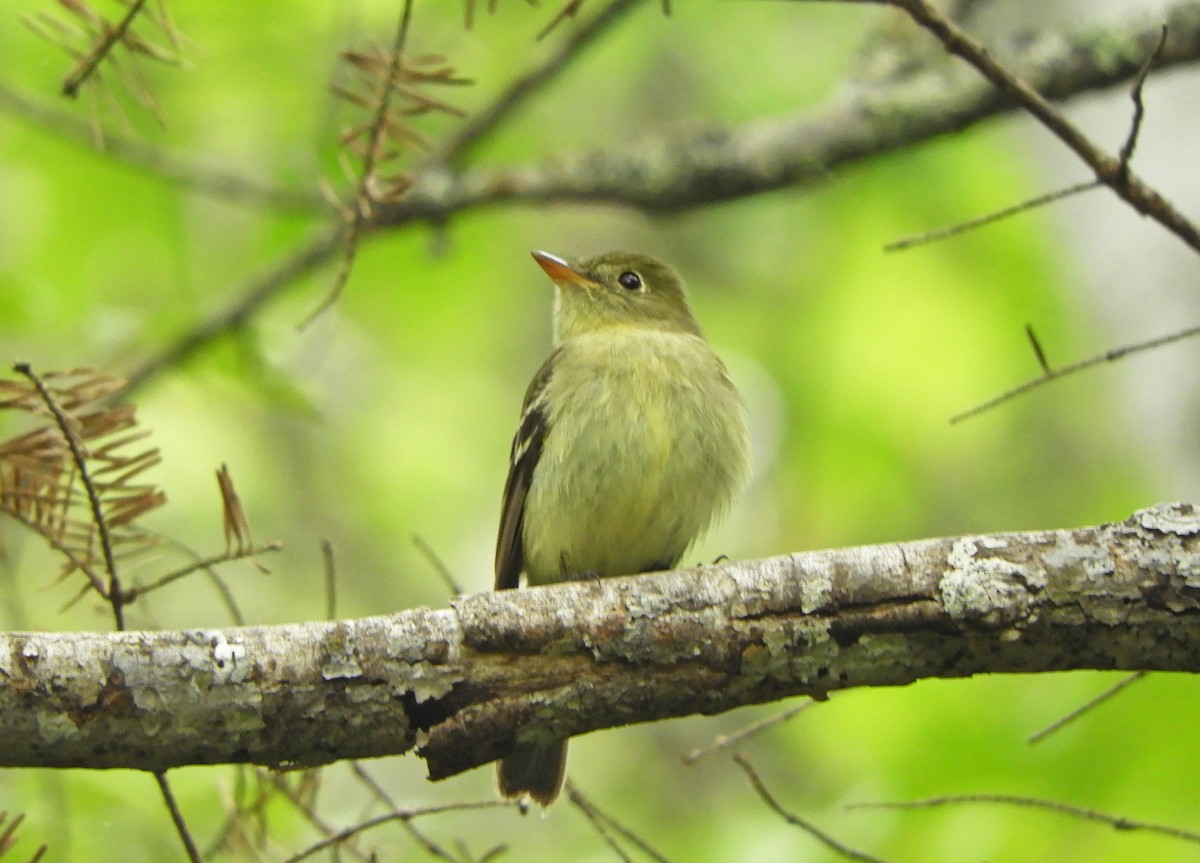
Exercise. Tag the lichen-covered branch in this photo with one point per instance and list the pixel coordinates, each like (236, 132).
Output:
(465, 682)
(692, 169)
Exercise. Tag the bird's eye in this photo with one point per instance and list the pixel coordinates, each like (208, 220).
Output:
(629, 280)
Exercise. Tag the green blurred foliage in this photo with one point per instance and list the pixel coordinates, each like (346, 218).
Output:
(390, 416)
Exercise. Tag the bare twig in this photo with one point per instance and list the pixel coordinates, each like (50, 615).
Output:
(438, 565)
(1117, 822)
(1106, 357)
(607, 826)
(172, 168)
(1087, 707)
(342, 835)
(249, 300)
(207, 565)
(371, 156)
(1124, 157)
(1139, 109)
(6, 837)
(690, 170)
(796, 821)
(724, 741)
(1110, 170)
(493, 853)
(569, 10)
(197, 565)
(330, 568)
(84, 69)
(458, 147)
(95, 582)
(989, 218)
(185, 835)
(302, 795)
(234, 829)
(1036, 344)
(9, 833)
(378, 792)
(600, 826)
(469, 16)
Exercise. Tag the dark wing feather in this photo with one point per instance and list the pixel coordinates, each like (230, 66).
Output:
(526, 450)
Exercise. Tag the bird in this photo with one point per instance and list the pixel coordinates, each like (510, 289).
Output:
(632, 442)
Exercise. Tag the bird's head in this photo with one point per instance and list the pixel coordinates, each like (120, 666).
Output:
(616, 289)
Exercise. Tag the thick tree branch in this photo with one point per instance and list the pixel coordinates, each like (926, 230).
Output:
(688, 170)
(464, 683)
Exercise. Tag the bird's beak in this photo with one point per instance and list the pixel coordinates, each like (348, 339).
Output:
(562, 273)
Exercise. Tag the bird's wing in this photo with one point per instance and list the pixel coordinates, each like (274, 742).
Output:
(526, 450)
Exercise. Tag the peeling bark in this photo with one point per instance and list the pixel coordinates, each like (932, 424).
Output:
(463, 684)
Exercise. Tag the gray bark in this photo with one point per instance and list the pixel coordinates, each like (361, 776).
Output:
(463, 683)
(903, 106)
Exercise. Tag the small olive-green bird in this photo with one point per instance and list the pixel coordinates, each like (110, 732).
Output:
(632, 442)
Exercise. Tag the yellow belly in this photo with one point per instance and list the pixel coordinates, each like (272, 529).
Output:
(637, 461)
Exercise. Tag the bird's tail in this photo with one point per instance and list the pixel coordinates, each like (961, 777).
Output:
(533, 772)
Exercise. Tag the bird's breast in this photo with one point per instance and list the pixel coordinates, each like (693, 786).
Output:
(636, 461)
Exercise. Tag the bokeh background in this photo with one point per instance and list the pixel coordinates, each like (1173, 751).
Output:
(390, 417)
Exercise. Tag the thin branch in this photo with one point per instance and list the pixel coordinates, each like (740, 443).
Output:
(302, 796)
(95, 582)
(1125, 156)
(1038, 351)
(690, 170)
(724, 741)
(1139, 109)
(362, 196)
(6, 838)
(377, 791)
(115, 598)
(9, 833)
(460, 145)
(569, 10)
(989, 218)
(606, 826)
(223, 592)
(172, 168)
(1117, 822)
(195, 566)
(371, 823)
(330, 569)
(84, 69)
(438, 565)
(380, 794)
(1085, 708)
(248, 301)
(239, 808)
(796, 821)
(1073, 368)
(1109, 170)
(185, 835)
(598, 824)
